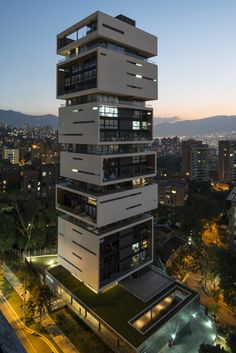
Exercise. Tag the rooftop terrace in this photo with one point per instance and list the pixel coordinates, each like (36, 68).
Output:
(116, 307)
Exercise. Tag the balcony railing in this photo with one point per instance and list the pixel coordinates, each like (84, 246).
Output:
(129, 172)
(99, 45)
(76, 210)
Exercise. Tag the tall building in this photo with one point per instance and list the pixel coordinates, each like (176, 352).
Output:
(11, 154)
(105, 129)
(105, 232)
(227, 161)
(195, 166)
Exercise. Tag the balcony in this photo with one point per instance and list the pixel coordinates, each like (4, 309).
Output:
(128, 167)
(103, 170)
(108, 149)
(77, 205)
(105, 45)
(106, 99)
(109, 208)
(76, 35)
(124, 135)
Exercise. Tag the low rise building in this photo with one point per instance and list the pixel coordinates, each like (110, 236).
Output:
(9, 176)
(41, 181)
(172, 193)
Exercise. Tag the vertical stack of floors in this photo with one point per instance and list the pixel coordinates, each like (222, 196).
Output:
(105, 129)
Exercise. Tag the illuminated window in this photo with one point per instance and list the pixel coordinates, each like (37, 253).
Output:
(135, 247)
(92, 201)
(144, 125)
(135, 259)
(136, 125)
(144, 244)
(108, 111)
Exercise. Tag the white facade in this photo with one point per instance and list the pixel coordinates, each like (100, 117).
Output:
(116, 206)
(89, 168)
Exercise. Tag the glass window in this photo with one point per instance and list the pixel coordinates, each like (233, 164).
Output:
(135, 247)
(135, 259)
(136, 125)
(144, 125)
(108, 111)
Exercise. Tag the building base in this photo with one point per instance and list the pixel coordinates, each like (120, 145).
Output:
(125, 321)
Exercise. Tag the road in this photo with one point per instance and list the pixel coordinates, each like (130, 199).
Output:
(226, 316)
(31, 343)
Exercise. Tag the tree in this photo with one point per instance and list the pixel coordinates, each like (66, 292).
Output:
(30, 309)
(207, 348)
(41, 298)
(214, 308)
(8, 232)
(227, 275)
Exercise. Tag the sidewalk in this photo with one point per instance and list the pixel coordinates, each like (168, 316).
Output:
(47, 322)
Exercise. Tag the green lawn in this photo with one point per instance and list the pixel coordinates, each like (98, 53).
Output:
(80, 334)
(116, 306)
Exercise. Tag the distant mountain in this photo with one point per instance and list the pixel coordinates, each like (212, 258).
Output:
(160, 119)
(221, 124)
(10, 117)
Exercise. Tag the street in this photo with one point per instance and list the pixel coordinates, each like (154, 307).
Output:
(31, 342)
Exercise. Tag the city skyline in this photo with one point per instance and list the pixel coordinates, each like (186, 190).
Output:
(195, 83)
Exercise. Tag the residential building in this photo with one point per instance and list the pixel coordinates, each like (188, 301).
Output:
(172, 193)
(40, 180)
(11, 154)
(232, 217)
(9, 176)
(227, 161)
(167, 146)
(105, 230)
(195, 164)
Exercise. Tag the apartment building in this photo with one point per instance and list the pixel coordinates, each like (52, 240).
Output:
(10, 154)
(227, 161)
(195, 164)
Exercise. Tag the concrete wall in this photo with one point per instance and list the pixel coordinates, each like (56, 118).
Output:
(89, 168)
(114, 77)
(131, 37)
(120, 205)
(88, 262)
(81, 122)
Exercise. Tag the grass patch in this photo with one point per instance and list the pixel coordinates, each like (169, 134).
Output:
(80, 334)
(116, 306)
